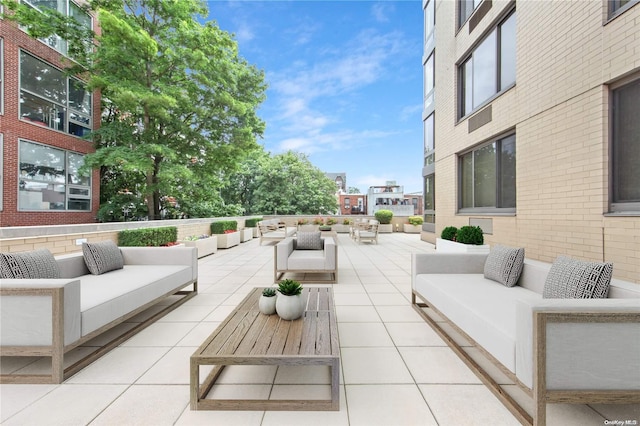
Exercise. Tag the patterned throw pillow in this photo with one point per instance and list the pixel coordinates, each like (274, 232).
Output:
(31, 264)
(309, 241)
(101, 257)
(504, 265)
(576, 279)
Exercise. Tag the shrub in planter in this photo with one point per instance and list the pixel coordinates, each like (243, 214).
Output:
(449, 233)
(253, 222)
(223, 226)
(148, 237)
(346, 222)
(470, 235)
(415, 220)
(331, 221)
(318, 221)
(384, 216)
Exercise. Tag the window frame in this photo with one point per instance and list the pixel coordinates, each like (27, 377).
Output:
(66, 183)
(462, 69)
(496, 209)
(615, 205)
(463, 19)
(614, 9)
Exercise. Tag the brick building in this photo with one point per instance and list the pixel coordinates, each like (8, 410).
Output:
(43, 116)
(531, 126)
(353, 204)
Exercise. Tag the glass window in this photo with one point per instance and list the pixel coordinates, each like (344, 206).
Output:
(626, 148)
(490, 69)
(617, 7)
(429, 140)
(1, 75)
(1, 169)
(429, 22)
(49, 98)
(488, 176)
(429, 203)
(429, 81)
(49, 179)
(465, 9)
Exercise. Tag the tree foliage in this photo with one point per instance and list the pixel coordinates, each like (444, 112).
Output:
(282, 184)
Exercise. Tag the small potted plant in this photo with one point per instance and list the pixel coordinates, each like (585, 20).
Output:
(414, 226)
(267, 302)
(289, 304)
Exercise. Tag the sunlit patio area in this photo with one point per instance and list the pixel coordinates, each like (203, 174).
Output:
(395, 370)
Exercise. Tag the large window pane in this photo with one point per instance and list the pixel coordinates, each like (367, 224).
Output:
(507, 167)
(79, 98)
(508, 52)
(429, 140)
(466, 180)
(484, 176)
(429, 21)
(41, 112)
(626, 144)
(429, 80)
(42, 79)
(484, 70)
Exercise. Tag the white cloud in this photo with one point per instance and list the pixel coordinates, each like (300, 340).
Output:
(380, 11)
(408, 112)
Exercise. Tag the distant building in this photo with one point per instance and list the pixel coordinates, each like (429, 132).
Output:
(415, 199)
(353, 204)
(43, 115)
(388, 197)
(341, 181)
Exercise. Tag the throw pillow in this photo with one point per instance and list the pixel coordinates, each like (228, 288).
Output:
(31, 264)
(309, 241)
(576, 279)
(101, 257)
(504, 265)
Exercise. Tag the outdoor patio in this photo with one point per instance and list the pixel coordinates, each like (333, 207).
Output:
(395, 369)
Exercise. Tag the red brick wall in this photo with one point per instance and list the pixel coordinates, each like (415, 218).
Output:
(14, 129)
(353, 202)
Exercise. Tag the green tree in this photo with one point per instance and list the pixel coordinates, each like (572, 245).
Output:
(179, 102)
(289, 184)
(353, 190)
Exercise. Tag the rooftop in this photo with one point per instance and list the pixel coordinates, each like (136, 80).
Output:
(395, 369)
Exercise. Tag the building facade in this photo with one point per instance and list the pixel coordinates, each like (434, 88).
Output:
(531, 126)
(43, 116)
(389, 196)
(352, 204)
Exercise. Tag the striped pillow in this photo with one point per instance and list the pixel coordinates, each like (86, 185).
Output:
(30, 264)
(101, 257)
(576, 279)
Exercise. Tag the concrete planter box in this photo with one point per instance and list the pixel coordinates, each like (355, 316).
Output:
(308, 228)
(255, 231)
(387, 228)
(341, 229)
(446, 246)
(411, 229)
(205, 246)
(228, 240)
(246, 234)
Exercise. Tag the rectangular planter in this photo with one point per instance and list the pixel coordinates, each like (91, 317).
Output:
(341, 229)
(387, 228)
(411, 229)
(246, 234)
(256, 233)
(228, 240)
(446, 246)
(205, 246)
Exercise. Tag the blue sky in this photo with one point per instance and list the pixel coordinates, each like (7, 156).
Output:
(345, 82)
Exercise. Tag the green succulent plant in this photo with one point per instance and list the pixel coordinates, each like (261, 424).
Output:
(289, 287)
(269, 292)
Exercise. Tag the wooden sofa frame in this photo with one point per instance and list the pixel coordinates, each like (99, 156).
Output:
(265, 229)
(57, 349)
(540, 394)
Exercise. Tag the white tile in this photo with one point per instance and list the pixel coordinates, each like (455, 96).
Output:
(466, 405)
(140, 405)
(413, 334)
(386, 405)
(173, 368)
(187, 313)
(303, 374)
(357, 314)
(359, 334)
(161, 334)
(16, 397)
(389, 299)
(245, 374)
(308, 418)
(351, 299)
(68, 405)
(403, 313)
(198, 334)
(436, 365)
(209, 418)
(374, 365)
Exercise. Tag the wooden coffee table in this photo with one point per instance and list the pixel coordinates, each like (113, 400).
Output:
(247, 337)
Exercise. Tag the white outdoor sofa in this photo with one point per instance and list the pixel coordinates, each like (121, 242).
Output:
(557, 350)
(275, 230)
(50, 317)
(287, 258)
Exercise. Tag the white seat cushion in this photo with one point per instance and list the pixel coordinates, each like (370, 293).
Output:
(484, 309)
(107, 297)
(306, 260)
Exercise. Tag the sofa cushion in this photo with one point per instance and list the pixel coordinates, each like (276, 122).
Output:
(107, 297)
(577, 279)
(38, 263)
(504, 265)
(309, 241)
(306, 260)
(101, 257)
(484, 309)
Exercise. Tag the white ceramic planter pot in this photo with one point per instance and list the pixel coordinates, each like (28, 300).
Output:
(228, 240)
(447, 246)
(205, 246)
(267, 305)
(290, 307)
(411, 229)
(246, 235)
(385, 228)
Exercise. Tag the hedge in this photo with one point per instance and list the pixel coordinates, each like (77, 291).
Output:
(224, 225)
(147, 237)
(253, 222)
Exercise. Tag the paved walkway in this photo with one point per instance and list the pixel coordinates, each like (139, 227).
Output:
(395, 369)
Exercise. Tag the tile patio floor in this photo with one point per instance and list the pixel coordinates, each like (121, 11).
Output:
(395, 369)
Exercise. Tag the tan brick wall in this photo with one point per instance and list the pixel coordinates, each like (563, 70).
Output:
(559, 109)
